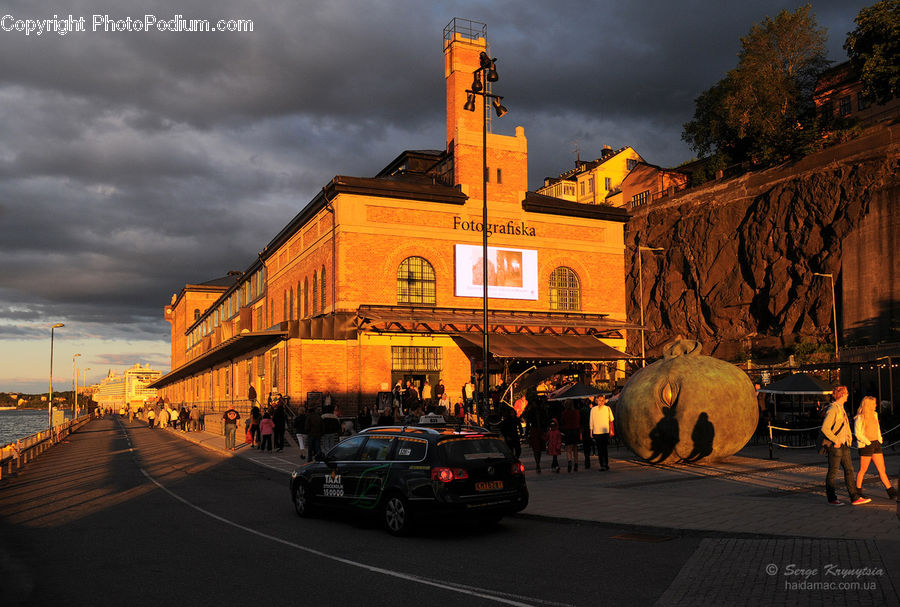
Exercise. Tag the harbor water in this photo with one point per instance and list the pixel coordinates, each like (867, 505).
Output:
(16, 424)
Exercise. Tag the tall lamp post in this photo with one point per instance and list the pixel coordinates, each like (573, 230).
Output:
(50, 397)
(641, 295)
(84, 383)
(74, 387)
(486, 72)
(833, 312)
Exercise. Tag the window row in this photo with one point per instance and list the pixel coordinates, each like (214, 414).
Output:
(416, 285)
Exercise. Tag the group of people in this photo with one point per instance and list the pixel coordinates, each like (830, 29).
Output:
(838, 435)
(162, 415)
(588, 423)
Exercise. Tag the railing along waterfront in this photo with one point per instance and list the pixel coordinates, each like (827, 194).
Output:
(15, 455)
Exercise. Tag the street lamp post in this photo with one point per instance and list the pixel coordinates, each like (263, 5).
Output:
(74, 387)
(486, 72)
(50, 396)
(641, 249)
(833, 312)
(84, 381)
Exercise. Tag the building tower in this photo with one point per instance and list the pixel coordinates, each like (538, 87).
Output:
(507, 156)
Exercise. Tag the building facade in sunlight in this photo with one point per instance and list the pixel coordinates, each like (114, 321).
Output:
(379, 279)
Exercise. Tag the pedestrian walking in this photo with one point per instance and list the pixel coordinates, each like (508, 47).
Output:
(584, 427)
(195, 419)
(601, 428)
(230, 417)
(867, 430)
(836, 429)
(255, 419)
(266, 431)
(554, 445)
(509, 429)
(537, 431)
(571, 431)
(280, 421)
(300, 430)
(364, 419)
(313, 432)
(151, 417)
(331, 428)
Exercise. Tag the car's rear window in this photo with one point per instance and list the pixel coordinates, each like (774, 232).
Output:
(462, 451)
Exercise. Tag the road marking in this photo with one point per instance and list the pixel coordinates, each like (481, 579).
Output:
(482, 593)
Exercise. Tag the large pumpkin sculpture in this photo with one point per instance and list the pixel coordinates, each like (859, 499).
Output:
(687, 407)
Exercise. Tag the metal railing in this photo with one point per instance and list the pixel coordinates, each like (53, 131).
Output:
(15, 455)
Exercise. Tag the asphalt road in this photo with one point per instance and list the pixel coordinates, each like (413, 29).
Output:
(124, 515)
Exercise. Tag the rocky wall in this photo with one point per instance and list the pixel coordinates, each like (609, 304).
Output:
(737, 270)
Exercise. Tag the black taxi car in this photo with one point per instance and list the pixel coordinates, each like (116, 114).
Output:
(405, 473)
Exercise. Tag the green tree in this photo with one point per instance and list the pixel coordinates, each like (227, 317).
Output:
(874, 50)
(762, 110)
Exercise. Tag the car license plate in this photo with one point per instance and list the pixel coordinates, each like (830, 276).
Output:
(489, 486)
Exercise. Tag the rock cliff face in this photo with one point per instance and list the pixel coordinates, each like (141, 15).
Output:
(737, 270)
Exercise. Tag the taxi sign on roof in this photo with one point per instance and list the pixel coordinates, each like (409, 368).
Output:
(431, 419)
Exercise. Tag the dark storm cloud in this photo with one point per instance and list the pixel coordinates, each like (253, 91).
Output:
(132, 163)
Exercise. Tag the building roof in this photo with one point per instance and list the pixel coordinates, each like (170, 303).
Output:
(539, 203)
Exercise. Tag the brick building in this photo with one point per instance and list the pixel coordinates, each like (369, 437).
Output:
(379, 278)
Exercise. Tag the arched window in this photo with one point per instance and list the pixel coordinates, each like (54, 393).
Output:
(315, 290)
(565, 290)
(290, 307)
(322, 286)
(415, 282)
(306, 297)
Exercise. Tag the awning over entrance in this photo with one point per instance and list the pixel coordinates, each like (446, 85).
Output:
(573, 348)
(228, 349)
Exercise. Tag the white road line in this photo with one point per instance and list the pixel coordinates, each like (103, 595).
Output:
(490, 595)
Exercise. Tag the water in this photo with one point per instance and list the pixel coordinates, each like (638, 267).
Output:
(19, 423)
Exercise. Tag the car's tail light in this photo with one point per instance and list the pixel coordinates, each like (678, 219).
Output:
(446, 475)
(518, 468)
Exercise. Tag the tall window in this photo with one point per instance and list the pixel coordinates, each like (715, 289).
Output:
(315, 290)
(196, 315)
(565, 291)
(322, 287)
(299, 300)
(306, 297)
(415, 282)
(291, 304)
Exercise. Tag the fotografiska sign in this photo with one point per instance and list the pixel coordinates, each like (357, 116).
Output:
(511, 227)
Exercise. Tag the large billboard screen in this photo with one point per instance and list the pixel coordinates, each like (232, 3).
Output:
(512, 273)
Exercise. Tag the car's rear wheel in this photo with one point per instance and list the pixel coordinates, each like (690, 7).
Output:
(397, 517)
(301, 499)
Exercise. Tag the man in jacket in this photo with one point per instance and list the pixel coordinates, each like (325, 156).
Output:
(838, 436)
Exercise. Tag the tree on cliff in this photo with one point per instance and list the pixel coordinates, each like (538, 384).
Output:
(874, 50)
(762, 111)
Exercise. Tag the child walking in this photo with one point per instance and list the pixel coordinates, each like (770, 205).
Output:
(554, 445)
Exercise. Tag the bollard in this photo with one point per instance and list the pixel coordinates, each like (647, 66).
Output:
(770, 440)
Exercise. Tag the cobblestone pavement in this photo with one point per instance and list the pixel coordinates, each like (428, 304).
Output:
(765, 522)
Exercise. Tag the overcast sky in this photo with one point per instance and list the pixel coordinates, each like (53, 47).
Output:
(134, 162)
